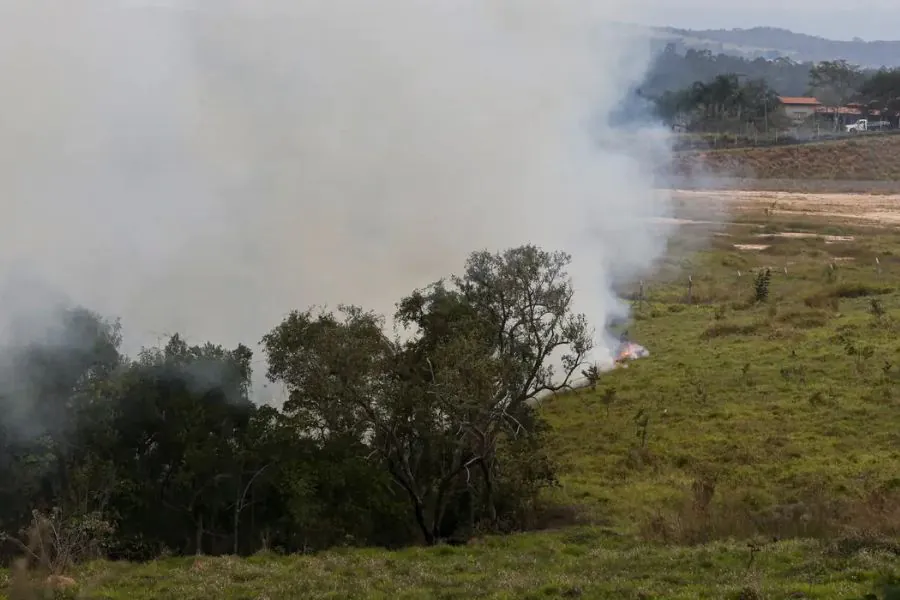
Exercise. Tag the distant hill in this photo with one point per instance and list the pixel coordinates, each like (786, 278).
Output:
(672, 71)
(772, 43)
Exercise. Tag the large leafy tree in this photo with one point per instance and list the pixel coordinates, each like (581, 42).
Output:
(882, 90)
(58, 367)
(835, 83)
(724, 102)
(434, 410)
(382, 439)
(55, 377)
(177, 428)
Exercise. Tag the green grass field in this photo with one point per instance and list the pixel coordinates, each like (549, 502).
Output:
(580, 563)
(767, 402)
(754, 454)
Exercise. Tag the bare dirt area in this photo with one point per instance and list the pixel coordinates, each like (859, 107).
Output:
(871, 209)
(802, 186)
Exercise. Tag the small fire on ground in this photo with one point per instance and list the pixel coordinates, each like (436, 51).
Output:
(630, 351)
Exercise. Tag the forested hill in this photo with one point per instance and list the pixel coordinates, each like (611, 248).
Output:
(673, 70)
(772, 42)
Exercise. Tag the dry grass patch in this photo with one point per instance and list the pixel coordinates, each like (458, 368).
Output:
(872, 158)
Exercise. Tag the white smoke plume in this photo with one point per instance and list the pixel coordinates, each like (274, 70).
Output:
(206, 167)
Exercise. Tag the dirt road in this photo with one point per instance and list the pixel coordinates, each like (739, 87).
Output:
(866, 208)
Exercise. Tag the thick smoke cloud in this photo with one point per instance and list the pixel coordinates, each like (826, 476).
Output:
(207, 168)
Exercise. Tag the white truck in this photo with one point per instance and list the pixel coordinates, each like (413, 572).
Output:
(866, 125)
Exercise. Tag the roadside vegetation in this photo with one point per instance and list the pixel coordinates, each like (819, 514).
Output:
(731, 110)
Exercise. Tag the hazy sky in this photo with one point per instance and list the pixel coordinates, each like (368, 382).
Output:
(835, 19)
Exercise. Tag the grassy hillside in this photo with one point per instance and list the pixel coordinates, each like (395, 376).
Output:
(776, 407)
(754, 454)
(866, 158)
(583, 563)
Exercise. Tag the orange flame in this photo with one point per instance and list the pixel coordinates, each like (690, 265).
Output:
(630, 351)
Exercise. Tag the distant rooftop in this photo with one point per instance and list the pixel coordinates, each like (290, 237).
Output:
(799, 100)
(845, 110)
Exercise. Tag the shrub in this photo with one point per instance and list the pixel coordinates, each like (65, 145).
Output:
(876, 308)
(858, 290)
(761, 285)
(53, 543)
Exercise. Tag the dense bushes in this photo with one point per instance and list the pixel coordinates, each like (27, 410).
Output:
(381, 441)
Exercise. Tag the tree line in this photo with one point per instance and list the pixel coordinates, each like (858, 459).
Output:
(383, 439)
(723, 103)
(728, 103)
(672, 71)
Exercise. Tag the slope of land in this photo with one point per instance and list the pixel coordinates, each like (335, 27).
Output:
(773, 42)
(754, 454)
(863, 158)
(792, 402)
(583, 563)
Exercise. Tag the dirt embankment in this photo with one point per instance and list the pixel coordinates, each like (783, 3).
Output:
(864, 159)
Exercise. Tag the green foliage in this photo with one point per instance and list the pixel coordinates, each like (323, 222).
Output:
(379, 441)
(642, 426)
(771, 404)
(737, 110)
(608, 398)
(591, 374)
(436, 409)
(696, 457)
(674, 70)
(835, 82)
(761, 285)
(721, 104)
(586, 562)
(882, 90)
(858, 352)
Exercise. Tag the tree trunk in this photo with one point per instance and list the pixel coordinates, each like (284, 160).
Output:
(415, 500)
(427, 531)
(198, 536)
(252, 511)
(237, 515)
(440, 509)
(488, 492)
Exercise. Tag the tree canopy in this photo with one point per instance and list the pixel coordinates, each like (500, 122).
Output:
(722, 104)
(382, 440)
(729, 103)
(673, 70)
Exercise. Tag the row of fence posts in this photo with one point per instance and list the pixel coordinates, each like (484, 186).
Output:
(689, 298)
(736, 140)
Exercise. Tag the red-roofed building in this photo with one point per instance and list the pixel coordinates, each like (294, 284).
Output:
(846, 112)
(799, 108)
